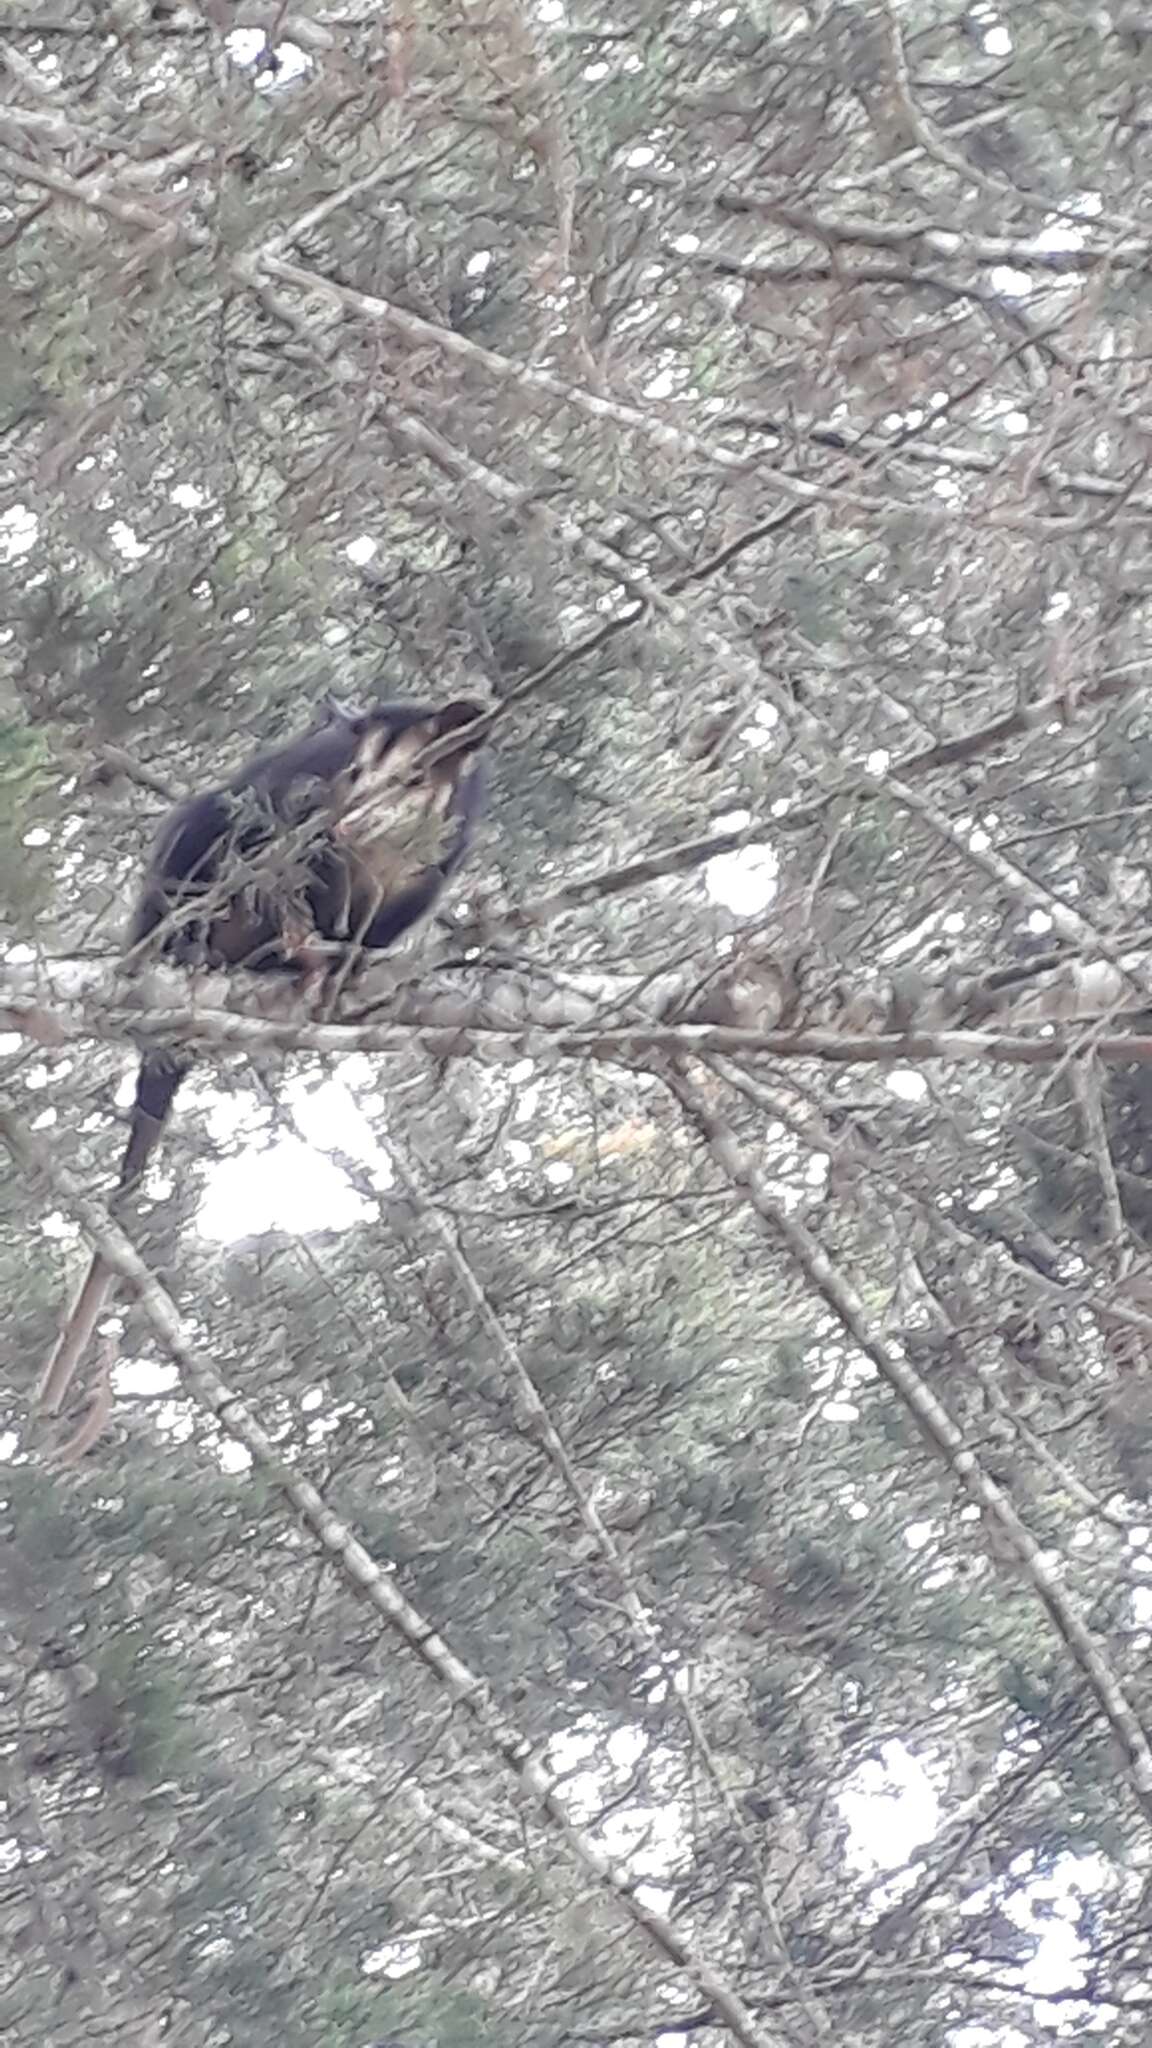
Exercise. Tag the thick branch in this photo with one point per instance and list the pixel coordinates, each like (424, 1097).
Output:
(938, 1426)
(469, 1692)
(750, 1009)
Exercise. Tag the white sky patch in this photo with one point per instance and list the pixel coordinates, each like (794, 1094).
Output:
(1046, 1905)
(756, 737)
(290, 1184)
(1011, 284)
(645, 1834)
(891, 1809)
(361, 549)
(743, 882)
(765, 718)
(395, 1959)
(125, 541)
(246, 46)
(285, 1187)
(527, 1104)
(1058, 235)
(906, 1083)
(1141, 1599)
(145, 1376)
(19, 532)
(478, 264)
(189, 497)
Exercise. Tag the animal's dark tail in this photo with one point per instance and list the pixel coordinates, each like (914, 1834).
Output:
(159, 1078)
(161, 1074)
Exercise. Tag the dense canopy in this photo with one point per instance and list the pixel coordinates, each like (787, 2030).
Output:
(617, 1510)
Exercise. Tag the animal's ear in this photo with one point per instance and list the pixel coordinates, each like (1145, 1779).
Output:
(451, 717)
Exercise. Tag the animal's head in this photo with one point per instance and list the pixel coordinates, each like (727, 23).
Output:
(404, 773)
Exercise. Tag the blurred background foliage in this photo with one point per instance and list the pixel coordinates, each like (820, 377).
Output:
(745, 398)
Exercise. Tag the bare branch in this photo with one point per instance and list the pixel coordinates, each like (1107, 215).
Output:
(471, 1694)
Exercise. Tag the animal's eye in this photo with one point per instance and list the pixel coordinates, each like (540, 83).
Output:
(416, 780)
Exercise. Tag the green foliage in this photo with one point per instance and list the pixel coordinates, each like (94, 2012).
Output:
(26, 775)
(745, 398)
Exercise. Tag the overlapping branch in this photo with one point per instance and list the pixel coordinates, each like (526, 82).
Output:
(845, 1304)
(752, 1005)
(472, 1695)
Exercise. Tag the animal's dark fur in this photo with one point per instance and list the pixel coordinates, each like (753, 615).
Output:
(337, 843)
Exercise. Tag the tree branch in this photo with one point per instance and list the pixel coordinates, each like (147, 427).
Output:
(469, 1693)
(937, 1424)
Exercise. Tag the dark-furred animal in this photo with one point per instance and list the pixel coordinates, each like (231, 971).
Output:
(314, 854)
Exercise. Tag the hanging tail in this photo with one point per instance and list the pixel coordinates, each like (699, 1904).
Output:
(156, 1085)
